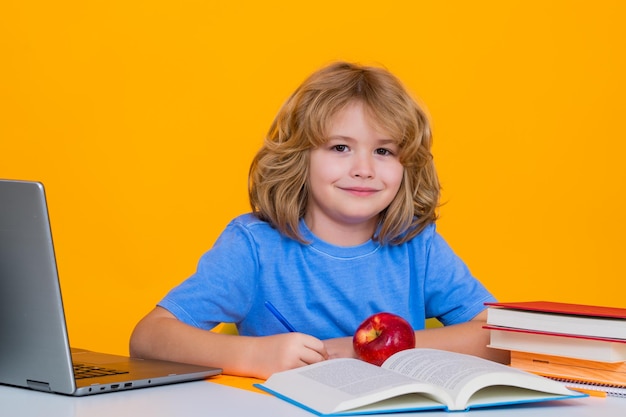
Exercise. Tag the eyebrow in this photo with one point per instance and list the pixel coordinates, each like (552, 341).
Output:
(350, 138)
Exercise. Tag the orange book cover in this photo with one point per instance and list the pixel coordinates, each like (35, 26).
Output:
(613, 374)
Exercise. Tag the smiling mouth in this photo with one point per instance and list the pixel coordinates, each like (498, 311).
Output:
(359, 191)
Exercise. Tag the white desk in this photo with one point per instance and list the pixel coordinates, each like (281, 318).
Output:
(209, 399)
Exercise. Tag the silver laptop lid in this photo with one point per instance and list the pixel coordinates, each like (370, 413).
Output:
(34, 345)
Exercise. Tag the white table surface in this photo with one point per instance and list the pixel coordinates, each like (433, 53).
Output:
(204, 398)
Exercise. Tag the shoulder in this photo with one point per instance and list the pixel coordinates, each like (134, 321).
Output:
(247, 220)
(424, 238)
(252, 227)
(242, 239)
(429, 244)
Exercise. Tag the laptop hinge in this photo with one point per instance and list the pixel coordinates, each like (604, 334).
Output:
(39, 386)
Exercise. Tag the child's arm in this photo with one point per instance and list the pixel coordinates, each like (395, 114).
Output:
(469, 338)
(160, 335)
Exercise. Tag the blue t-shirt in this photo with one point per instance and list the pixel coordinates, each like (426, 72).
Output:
(322, 289)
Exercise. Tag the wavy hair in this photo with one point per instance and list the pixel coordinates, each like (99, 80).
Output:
(278, 177)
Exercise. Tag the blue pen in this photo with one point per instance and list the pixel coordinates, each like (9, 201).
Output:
(280, 317)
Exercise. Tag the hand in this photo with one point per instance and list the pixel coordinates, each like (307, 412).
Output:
(270, 354)
(340, 347)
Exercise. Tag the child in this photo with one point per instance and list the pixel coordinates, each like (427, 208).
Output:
(344, 196)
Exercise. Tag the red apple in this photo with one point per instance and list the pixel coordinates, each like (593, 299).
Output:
(380, 336)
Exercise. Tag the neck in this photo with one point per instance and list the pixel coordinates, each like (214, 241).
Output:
(342, 234)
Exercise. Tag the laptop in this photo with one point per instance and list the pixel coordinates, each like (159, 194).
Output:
(34, 346)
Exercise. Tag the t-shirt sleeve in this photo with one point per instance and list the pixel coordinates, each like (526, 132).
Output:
(453, 294)
(222, 287)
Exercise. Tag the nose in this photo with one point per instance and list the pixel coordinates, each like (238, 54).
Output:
(363, 167)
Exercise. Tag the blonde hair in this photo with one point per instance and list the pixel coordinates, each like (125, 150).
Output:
(278, 177)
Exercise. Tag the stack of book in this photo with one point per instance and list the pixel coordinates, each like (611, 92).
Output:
(583, 346)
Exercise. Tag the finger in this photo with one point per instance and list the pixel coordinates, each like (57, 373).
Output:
(316, 349)
(309, 357)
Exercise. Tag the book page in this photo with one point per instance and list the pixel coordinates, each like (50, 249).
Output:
(354, 378)
(343, 384)
(465, 375)
(445, 369)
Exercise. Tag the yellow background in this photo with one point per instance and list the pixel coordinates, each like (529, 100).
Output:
(141, 118)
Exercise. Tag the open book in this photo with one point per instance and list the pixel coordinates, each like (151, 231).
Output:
(410, 380)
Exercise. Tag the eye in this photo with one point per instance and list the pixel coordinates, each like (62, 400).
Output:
(383, 152)
(340, 148)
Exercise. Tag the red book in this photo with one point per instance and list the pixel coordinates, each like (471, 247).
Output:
(560, 318)
(564, 308)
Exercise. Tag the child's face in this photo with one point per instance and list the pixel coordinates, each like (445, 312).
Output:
(352, 178)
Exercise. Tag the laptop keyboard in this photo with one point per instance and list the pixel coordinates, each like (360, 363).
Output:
(82, 371)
